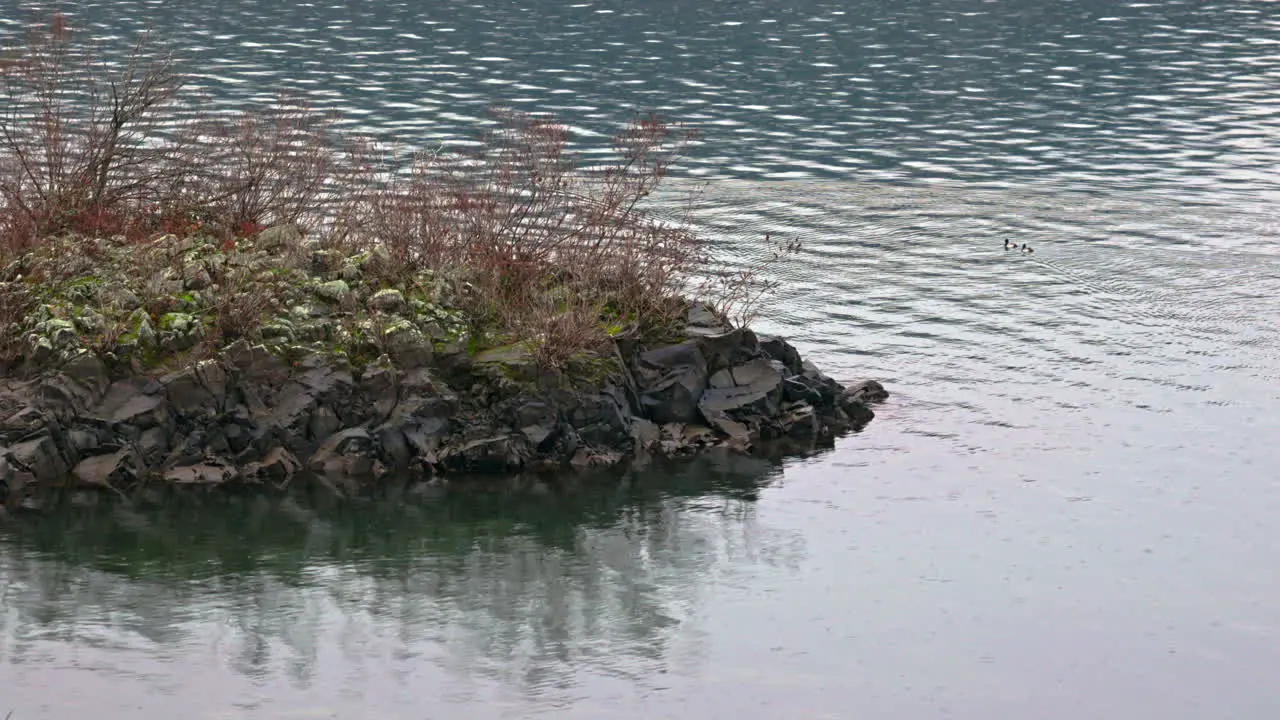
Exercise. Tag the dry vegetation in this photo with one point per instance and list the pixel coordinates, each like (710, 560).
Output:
(558, 255)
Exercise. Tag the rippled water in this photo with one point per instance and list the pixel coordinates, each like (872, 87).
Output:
(1066, 510)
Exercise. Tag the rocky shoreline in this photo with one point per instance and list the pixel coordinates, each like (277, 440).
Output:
(307, 400)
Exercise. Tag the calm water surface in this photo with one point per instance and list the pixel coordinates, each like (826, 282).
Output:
(1067, 509)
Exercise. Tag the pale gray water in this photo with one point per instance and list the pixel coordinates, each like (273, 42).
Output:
(1067, 509)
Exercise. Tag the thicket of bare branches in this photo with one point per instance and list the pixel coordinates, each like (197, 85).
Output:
(559, 254)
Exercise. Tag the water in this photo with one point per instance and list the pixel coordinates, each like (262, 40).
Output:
(1066, 510)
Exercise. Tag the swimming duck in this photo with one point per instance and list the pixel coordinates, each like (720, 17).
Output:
(1009, 246)
(1026, 249)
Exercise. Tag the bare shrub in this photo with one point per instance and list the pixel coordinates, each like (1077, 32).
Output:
(738, 292)
(76, 136)
(262, 168)
(554, 253)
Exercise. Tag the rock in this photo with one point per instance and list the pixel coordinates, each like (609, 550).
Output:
(726, 349)
(278, 237)
(345, 459)
(83, 442)
(188, 395)
(602, 419)
(153, 445)
(502, 453)
(645, 434)
(867, 391)
(25, 422)
(336, 292)
(387, 301)
(799, 420)
(406, 345)
(322, 424)
(857, 411)
(124, 467)
(279, 330)
(63, 395)
(41, 458)
(255, 363)
(380, 382)
(782, 351)
(138, 331)
(761, 401)
(702, 320)
(671, 381)
(138, 402)
(514, 362)
(279, 466)
(196, 278)
(207, 473)
(587, 458)
(89, 321)
(537, 421)
(88, 372)
(61, 333)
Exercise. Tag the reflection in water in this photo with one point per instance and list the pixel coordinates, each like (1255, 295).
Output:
(1066, 510)
(520, 581)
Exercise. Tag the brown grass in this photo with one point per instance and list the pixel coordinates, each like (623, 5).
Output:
(558, 255)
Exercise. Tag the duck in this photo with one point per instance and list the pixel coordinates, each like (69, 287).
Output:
(1009, 246)
(1026, 249)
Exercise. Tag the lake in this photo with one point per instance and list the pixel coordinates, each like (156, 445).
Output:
(1066, 510)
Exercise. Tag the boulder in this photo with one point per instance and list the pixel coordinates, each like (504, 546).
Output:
(278, 467)
(867, 391)
(137, 401)
(387, 301)
(278, 237)
(499, 453)
(123, 467)
(778, 349)
(41, 457)
(671, 381)
(345, 459)
(335, 292)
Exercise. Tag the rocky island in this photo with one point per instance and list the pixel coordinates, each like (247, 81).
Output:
(347, 380)
(255, 298)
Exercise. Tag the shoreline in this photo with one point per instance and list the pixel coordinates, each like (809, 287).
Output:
(348, 380)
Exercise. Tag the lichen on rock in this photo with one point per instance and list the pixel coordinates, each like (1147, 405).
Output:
(290, 366)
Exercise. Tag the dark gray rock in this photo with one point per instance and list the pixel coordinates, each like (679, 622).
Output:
(782, 351)
(346, 459)
(41, 457)
(137, 401)
(497, 454)
(645, 434)
(867, 391)
(124, 467)
(188, 395)
(278, 467)
(153, 446)
(250, 414)
(701, 320)
(671, 381)
(322, 424)
(537, 421)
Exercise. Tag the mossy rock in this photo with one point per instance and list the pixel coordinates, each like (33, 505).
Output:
(139, 330)
(389, 300)
(334, 291)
